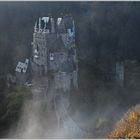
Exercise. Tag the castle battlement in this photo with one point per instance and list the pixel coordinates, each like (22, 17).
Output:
(50, 25)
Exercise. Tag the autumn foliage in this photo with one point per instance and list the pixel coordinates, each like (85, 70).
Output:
(128, 126)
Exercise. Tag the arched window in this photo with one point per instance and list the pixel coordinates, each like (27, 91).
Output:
(51, 56)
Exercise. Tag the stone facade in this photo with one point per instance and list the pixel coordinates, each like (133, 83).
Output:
(54, 52)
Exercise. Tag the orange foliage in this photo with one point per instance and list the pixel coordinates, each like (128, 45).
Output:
(128, 126)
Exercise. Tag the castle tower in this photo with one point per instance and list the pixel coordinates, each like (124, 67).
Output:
(54, 52)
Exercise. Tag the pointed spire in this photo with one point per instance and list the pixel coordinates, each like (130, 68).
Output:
(40, 24)
(46, 19)
(59, 21)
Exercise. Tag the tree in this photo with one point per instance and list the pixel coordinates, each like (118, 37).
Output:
(128, 126)
(11, 106)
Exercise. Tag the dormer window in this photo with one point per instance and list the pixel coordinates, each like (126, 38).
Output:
(51, 56)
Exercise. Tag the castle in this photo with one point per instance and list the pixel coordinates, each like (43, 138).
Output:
(54, 55)
(53, 63)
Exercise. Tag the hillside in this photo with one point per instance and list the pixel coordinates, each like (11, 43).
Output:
(128, 126)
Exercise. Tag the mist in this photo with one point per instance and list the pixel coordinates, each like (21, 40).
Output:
(38, 121)
(106, 33)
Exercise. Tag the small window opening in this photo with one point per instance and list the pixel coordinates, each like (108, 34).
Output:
(51, 56)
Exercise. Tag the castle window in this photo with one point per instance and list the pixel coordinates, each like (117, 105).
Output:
(51, 56)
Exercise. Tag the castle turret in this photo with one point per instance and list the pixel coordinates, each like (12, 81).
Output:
(46, 27)
(59, 21)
